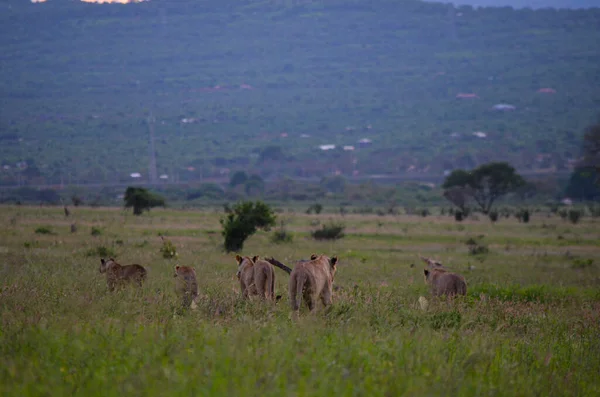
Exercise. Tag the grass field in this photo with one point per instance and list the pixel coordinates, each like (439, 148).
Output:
(529, 326)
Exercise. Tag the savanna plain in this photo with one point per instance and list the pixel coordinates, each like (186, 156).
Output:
(529, 325)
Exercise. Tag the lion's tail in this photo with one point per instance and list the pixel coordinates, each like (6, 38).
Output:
(280, 265)
(297, 282)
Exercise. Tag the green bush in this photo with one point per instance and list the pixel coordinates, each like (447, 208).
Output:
(44, 230)
(101, 251)
(96, 231)
(168, 249)
(575, 216)
(243, 220)
(331, 231)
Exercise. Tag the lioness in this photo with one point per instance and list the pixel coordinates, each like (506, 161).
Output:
(256, 277)
(443, 282)
(314, 279)
(118, 275)
(186, 285)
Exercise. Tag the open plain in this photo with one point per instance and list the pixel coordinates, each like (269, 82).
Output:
(529, 325)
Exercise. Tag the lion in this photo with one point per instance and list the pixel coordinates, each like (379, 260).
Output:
(119, 275)
(443, 282)
(314, 279)
(432, 264)
(256, 276)
(186, 286)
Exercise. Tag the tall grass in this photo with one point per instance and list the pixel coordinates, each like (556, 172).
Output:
(528, 326)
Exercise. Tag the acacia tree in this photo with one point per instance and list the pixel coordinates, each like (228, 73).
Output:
(243, 220)
(141, 199)
(485, 184)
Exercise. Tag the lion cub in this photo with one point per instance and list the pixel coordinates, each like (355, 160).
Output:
(186, 286)
(443, 282)
(314, 279)
(256, 276)
(119, 275)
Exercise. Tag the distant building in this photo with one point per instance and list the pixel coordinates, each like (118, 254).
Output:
(164, 176)
(135, 175)
(364, 142)
(547, 90)
(504, 107)
(480, 134)
(326, 147)
(348, 148)
(464, 95)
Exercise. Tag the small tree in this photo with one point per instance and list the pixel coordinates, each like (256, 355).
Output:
(486, 183)
(142, 200)
(243, 220)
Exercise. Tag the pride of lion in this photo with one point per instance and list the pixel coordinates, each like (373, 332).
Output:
(309, 280)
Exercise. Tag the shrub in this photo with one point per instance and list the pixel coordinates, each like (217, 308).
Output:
(574, 215)
(44, 230)
(100, 251)
(493, 215)
(579, 263)
(316, 208)
(243, 220)
(281, 235)
(522, 215)
(168, 249)
(458, 216)
(424, 212)
(476, 247)
(96, 231)
(331, 231)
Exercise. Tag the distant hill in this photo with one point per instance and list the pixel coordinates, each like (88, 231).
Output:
(396, 86)
(530, 3)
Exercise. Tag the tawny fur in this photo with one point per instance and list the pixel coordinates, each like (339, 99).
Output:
(443, 282)
(186, 286)
(117, 275)
(314, 279)
(256, 276)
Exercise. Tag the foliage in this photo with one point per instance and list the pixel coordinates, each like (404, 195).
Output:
(486, 183)
(316, 208)
(238, 178)
(493, 215)
(476, 246)
(96, 231)
(243, 220)
(210, 191)
(522, 215)
(591, 150)
(100, 251)
(281, 235)
(330, 231)
(141, 200)
(168, 249)
(44, 230)
(575, 215)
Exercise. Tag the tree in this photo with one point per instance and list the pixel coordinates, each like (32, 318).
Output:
(591, 151)
(238, 178)
(142, 200)
(243, 220)
(486, 183)
(459, 196)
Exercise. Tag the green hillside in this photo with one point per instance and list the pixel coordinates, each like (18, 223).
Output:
(79, 82)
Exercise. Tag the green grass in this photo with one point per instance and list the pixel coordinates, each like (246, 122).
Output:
(528, 326)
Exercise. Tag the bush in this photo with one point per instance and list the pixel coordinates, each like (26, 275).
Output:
(96, 231)
(101, 251)
(281, 235)
(574, 216)
(44, 230)
(243, 220)
(168, 249)
(493, 215)
(579, 263)
(458, 216)
(317, 208)
(332, 231)
(522, 215)
(476, 246)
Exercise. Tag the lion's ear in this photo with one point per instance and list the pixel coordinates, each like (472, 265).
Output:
(238, 258)
(102, 261)
(313, 257)
(334, 260)
(176, 268)
(426, 272)
(255, 258)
